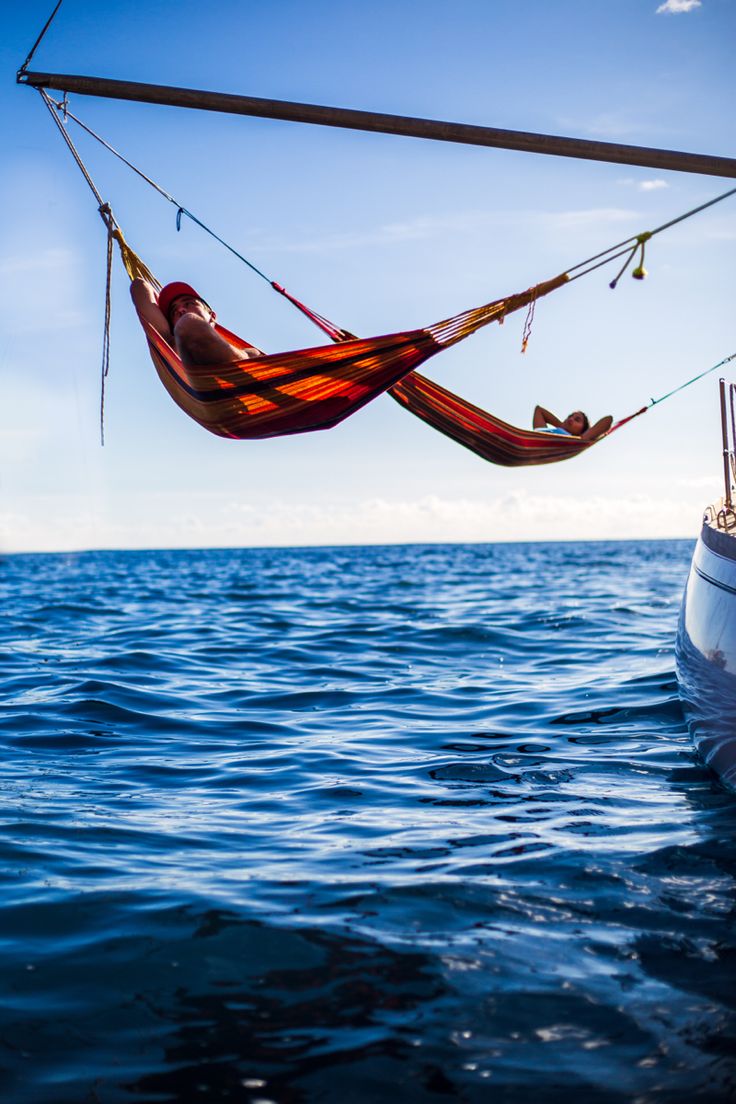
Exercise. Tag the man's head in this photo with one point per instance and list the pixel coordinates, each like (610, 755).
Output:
(576, 423)
(178, 299)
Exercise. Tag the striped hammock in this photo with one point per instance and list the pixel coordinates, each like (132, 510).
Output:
(316, 388)
(479, 431)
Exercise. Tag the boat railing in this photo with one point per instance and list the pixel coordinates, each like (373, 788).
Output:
(725, 516)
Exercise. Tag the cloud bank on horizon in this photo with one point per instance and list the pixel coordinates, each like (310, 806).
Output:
(150, 519)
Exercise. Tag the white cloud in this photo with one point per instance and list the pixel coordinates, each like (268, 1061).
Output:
(593, 216)
(652, 185)
(426, 227)
(417, 229)
(609, 124)
(675, 7)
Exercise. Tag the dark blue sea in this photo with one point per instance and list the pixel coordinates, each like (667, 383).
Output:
(351, 824)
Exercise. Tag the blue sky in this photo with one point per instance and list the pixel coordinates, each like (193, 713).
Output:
(379, 233)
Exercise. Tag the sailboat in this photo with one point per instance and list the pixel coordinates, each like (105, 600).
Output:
(706, 637)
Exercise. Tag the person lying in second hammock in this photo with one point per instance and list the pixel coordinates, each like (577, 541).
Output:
(574, 425)
(185, 322)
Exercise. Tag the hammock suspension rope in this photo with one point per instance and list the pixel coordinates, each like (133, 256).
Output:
(61, 106)
(37, 43)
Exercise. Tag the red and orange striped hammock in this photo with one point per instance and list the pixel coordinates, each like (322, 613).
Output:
(317, 388)
(484, 434)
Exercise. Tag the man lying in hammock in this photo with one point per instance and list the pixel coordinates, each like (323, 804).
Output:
(185, 322)
(574, 425)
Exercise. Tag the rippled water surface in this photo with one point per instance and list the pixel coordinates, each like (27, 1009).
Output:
(413, 823)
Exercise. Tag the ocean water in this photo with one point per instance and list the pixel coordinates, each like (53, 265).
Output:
(418, 823)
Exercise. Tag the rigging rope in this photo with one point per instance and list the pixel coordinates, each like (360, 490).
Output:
(680, 387)
(109, 220)
(639, 241)
(51, 104)
(335, 332)
(726, 360)
(37, 43)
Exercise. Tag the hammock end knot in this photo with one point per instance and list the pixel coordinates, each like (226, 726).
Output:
(105, 211)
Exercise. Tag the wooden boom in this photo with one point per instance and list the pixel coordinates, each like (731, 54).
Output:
(385, 124)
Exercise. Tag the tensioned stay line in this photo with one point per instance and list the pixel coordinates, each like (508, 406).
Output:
(60, 106)
(681, 387)
(726, 360)
(37, 43)
(336, 333)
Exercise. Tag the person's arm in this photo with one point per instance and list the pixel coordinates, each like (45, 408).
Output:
(544, 418)
(601, 426)
(146, 304)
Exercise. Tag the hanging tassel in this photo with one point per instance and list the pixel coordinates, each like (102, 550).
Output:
(528, 322)
(640, 272)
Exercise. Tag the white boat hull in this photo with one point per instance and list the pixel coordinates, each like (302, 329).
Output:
(706, 651)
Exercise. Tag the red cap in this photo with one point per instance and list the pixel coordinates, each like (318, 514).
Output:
(168, 294)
